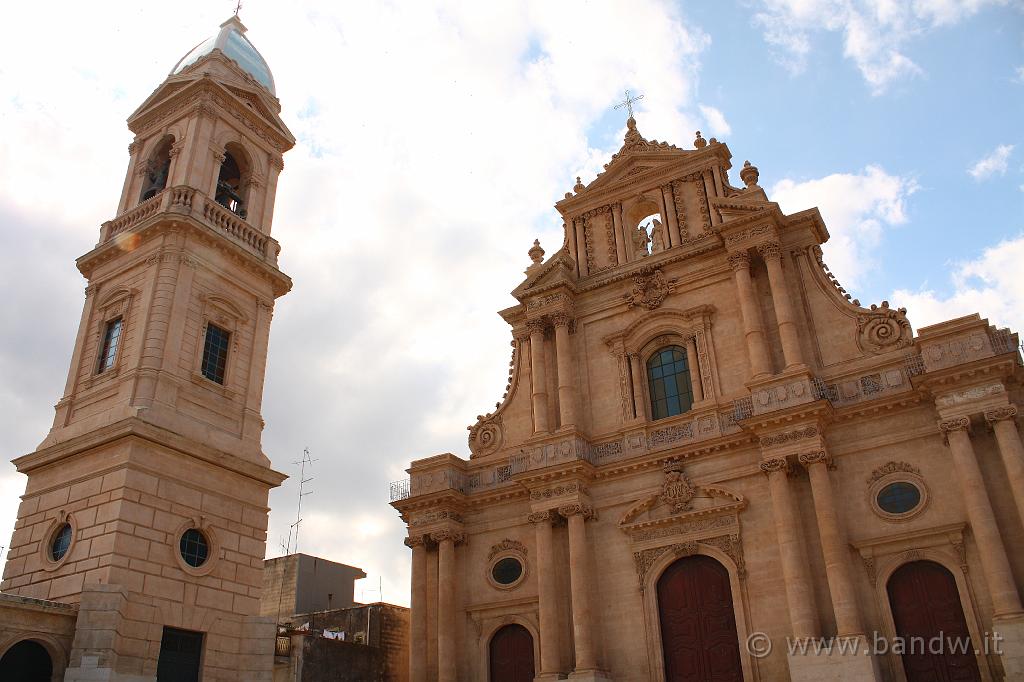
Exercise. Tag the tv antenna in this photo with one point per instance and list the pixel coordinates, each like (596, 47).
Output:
(306, 460)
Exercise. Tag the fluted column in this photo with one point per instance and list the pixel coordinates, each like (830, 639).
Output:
(772, 254)
(563, 354)
(581, 589)
(760, 365)
(994, 562)
(538, 378)
(1003, 421)
(581, 246)
(547, 601)
(418, 608)
(833, 546)
(638, 392)
(447, 640)
(671, 225)
(799, 593)
(694, 367)
(621, 245)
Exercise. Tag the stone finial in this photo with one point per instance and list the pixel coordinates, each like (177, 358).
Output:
(536, 252)
(749, 175)
(578, 187)
(700, 142)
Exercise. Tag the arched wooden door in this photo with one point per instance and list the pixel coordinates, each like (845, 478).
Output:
(698, 624)
(511, 654)
(26, 661)
(926, 603)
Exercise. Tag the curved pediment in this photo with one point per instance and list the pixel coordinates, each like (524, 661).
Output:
(681, 502)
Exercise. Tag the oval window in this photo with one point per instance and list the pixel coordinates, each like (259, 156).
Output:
(899, 497)
(61, 542)
(194, 548)
(507, 571)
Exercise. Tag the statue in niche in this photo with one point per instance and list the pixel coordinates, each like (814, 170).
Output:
(657, 236)
(640, 241)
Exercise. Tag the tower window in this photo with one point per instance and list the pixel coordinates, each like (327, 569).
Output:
(157, 169)
(61, 542)
(194, 548)
(668, 376)
(111, 340)
(215, 353)
(230, 192)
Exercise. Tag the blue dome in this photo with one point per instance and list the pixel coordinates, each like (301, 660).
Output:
(232, 42)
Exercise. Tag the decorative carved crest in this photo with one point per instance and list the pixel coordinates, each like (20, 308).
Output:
(677, 491)
(507, 545)
(892, 468)
(883, 329)
(485, 435)
(650, 289)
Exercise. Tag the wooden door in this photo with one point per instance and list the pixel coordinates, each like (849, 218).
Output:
(925, 602)
(698, 625)
(512, 655)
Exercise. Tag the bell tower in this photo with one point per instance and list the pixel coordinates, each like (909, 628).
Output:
(146, 504)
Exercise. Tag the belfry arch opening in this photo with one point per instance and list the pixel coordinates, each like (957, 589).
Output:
(233, 179)
(646, 233)
(158, 167)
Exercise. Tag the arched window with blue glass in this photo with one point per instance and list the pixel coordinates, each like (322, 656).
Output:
(668, 380)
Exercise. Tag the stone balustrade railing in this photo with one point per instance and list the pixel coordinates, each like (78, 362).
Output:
(188, 201)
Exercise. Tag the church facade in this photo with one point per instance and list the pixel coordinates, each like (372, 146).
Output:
(139, 544)
(708, 453)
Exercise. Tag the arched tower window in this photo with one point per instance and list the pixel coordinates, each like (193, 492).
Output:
(157, 168)
(231, 182)
(647, 234)
(668, 376)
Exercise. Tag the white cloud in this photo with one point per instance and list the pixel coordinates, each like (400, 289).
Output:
(1019, 74)
(433, 139)
(874, 32)
(993, 164)
(856, 207)
(990, 285)
(717, 125)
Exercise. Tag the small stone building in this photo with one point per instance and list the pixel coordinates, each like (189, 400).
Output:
(300, 583)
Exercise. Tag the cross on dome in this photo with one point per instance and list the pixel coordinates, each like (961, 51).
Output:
(628, 103)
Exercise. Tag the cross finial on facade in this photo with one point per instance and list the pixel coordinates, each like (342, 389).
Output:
(238, 7)
(628, 103)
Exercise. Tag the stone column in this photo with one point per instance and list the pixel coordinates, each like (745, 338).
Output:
(581, 246)
(671, 225)
(621, 245)
(994, 562)
(664, 218)
(547, 599)
(833, 546)
(772, 254)
(638, 392)
(694, 366)
(563, 354)
(581, 589)
(418, 615)
(760, 365)
(799, 593)
(538, 378)
(1003, 421)
(447, 640)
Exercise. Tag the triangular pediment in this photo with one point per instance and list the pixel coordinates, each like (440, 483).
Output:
(682, 503)
(635, 165)
(557, 271)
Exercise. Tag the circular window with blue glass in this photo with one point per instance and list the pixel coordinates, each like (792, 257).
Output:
(899, 496)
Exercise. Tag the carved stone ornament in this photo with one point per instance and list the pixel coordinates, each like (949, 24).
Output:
(485, 436)
(558, 491)
(770, 250)
(729, 544)
(883, 329)
(788, 436)
(892, 468)
(739, 261)
(414, 541)
(650, 289)
(585, 510)
(1001, 413)
(442, 535)
(540, 517)
(819, 457)
(955, 424)
(507, 545)
(772, 465)
(677, 491)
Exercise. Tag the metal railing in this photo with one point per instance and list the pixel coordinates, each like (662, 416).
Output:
(401, 490)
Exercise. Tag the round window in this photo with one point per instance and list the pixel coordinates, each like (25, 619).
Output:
(899, 497)
(61, 542)
(507, 570)
(194, 548)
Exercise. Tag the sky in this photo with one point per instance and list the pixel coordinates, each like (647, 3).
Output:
(433, 140)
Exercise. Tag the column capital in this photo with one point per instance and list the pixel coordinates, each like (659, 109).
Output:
(442, 535)
(541, 517)
(947, 426)
(739, 260)
(584, 510)
(1001, 413)
(536, 326)
(561, 319)
(770, 250)
(770, 466)
(808, 459)
(414, 541)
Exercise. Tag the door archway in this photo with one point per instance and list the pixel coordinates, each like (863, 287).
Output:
(511, 655)
(698, 624)
(26, 661)
(926, 608)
